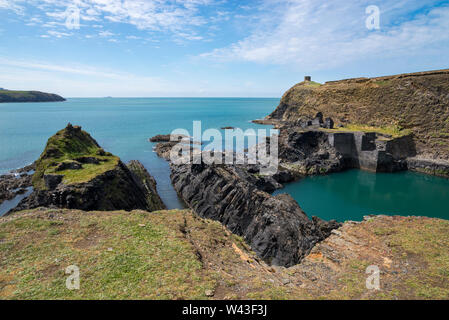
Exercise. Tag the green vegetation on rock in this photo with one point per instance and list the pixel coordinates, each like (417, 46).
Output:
(73, 154)
(391, 130)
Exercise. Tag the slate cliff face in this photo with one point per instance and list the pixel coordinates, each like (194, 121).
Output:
(74, 172)
(418, 102)
(275, 227)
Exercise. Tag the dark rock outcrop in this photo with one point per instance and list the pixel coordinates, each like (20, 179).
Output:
(168, 138)
(116, 189)
(141, 176)
(13, 184)
(308, 152)
(429, 166)
(275, 226)
(73, 172)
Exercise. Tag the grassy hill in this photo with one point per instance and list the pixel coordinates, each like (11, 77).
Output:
(74, 172)
(28, 96)
(417, 102)
(69, 147)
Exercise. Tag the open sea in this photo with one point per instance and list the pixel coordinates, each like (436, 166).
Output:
(123, 126)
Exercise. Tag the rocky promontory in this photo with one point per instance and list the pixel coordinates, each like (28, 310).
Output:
(28, 96)
(415, 102)
(74, 172)
(239, 197)
(274, 226)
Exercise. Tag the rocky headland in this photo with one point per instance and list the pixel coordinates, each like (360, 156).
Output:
(28, 96)
(74, 172)
(412, 106)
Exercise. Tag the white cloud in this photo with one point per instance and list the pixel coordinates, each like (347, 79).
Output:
(319, 34)
(58, 34)
(162, 15)
(11, 5)
(105, 34)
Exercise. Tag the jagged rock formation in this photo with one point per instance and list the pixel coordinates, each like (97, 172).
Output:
(417, 102)
(275, 227)
(14, 184)
(308, 152)
(148, 183)
(75, 172)
(28, 96)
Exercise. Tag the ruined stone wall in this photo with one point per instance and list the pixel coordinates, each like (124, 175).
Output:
(367, 152)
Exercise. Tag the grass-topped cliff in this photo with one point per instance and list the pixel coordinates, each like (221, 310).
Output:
(28, 96)
(177, 255)
(73, 154)
(416, 103)
(74, 172)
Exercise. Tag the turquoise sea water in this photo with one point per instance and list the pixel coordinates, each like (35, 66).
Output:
(350, 195)
(121, 126)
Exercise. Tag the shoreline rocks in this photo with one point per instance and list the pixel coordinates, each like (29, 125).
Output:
(15, 183)
(429, 166)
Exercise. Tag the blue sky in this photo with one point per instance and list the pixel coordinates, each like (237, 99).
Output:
(214, 48)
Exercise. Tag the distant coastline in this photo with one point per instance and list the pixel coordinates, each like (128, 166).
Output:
(28, 96)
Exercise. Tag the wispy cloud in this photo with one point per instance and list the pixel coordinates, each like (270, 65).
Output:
(72, 79)
(11, 5)
(319, 34)
(175, 16)
(51, 67)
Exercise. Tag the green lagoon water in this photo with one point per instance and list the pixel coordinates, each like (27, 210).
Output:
(352, 194)
(123, 126)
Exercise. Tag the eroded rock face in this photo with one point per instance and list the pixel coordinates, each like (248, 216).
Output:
(308, 152)
(117, 189)
(429, 166)
(148, 183)
(275, 227)
(74, 172)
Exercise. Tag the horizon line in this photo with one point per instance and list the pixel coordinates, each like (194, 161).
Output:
(180, 97)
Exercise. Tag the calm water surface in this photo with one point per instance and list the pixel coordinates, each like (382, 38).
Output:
(352, 194)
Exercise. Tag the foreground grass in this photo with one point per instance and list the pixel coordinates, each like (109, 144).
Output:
(120, 255)
(177, 255)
